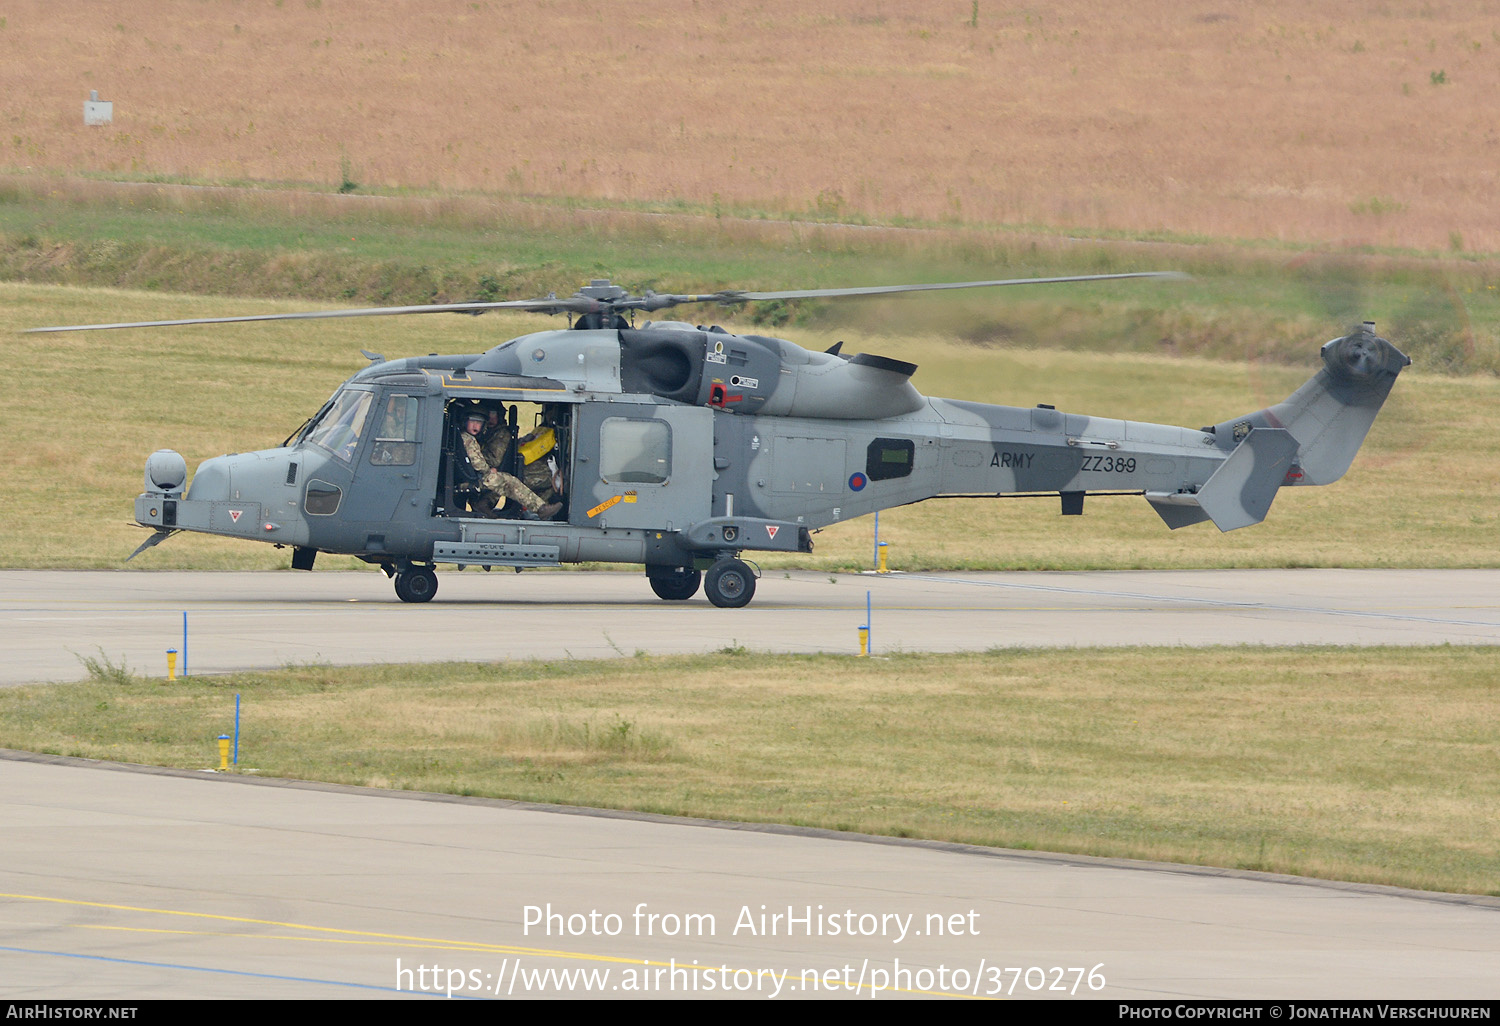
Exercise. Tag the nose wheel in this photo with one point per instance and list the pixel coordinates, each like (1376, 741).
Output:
(729, 584)
(416, 584)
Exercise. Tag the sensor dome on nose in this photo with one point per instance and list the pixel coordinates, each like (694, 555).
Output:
(166, 472)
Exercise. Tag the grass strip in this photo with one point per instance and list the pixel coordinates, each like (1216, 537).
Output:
(1374, 765)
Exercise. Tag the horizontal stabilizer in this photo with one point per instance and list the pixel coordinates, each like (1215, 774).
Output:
(1240, 492)
(1177, 509)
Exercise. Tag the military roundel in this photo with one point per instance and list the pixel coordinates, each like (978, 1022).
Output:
(857, 481)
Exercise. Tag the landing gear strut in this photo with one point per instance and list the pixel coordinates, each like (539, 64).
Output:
(416, 584)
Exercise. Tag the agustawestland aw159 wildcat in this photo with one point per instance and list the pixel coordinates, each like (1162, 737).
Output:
(681, 447)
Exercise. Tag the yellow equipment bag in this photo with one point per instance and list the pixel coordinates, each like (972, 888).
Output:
(541, 445)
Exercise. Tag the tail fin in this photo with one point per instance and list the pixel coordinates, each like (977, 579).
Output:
(1330, 415)
(1310, 438)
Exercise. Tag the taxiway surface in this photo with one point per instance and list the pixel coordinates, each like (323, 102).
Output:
(137, 884)
(49, 620)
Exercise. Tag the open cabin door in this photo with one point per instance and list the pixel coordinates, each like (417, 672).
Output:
(643, 466)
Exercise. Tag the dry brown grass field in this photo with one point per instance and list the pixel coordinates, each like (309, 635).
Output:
(1297, 120)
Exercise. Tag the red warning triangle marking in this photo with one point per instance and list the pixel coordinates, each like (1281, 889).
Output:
(234, 515)
(771, 530)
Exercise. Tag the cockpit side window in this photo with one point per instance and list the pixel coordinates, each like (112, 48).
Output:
(340, 428)
(396, 433)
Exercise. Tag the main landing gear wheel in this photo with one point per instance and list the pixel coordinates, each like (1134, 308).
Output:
(677, 586)
(416, 584)
(729, 584)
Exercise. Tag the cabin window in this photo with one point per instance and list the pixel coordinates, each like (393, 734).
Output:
(396, 435)
(340, 429)
(635, 451)
(889, 458)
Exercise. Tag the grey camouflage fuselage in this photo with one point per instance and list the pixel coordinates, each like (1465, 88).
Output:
(683, 446)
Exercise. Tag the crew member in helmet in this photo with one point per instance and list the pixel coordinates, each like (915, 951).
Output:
(496, 485)
(536, 455)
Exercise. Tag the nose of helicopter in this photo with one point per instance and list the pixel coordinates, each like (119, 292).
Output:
(244, 476)
(245, 495)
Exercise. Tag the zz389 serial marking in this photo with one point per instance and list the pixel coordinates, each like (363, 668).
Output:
(1109, 464)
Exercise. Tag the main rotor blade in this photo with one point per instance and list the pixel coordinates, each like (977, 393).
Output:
(579, 304)
(729, 297)
(573, 304)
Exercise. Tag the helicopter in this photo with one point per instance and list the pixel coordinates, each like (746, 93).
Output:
(680, 447)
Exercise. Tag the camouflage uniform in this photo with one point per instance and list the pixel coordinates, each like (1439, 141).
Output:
(497, 483)
(538, 474)
(494, 441)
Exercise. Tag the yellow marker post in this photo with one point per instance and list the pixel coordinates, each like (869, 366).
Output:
(881, 568)
(223, 752)
(864, 640)
(171, 664)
